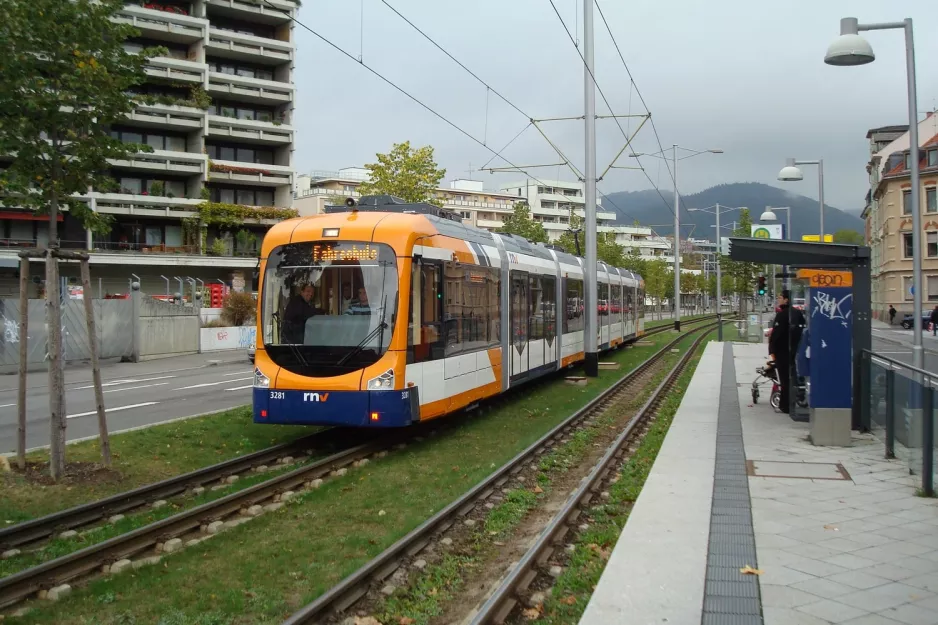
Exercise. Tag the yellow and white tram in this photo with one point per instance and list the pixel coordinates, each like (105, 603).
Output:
(387, 313)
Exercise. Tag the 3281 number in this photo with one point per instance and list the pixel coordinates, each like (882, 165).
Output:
(277, 395)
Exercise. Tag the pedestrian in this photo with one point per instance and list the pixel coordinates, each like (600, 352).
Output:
(934, 321)
(786, 335)
(892, 314)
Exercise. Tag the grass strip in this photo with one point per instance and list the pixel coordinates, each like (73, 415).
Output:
(262, 571)
(139, 457)
(571, 593)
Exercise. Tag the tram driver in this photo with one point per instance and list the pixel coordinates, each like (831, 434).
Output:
(299, 309)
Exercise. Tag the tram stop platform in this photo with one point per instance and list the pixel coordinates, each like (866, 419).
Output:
(833, 534)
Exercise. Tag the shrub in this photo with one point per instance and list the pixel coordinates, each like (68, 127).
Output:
(238, 309)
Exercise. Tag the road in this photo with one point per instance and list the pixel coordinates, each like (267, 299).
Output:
(135, 394)
(896, 343)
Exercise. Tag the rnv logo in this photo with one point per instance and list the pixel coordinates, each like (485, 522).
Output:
(316, 397)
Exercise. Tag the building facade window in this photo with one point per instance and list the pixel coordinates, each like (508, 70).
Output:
(246, 196)
(906, 202)
(931, 200)
(234, 68)
(933, 158)
(157, 140)
(137, 185)
(241, 153)
(242, 111)
(907, 245)
(931, 244)
(931, 289)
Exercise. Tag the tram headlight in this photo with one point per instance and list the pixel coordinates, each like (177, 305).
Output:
(260, 380)
(384, 382)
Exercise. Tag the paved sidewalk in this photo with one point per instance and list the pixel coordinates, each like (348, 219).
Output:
(838, 533)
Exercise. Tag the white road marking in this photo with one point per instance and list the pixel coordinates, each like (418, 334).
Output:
(119, 408)
(7, 405)
(228, 375)
(238, 388)
(129, 381)
(133, 388)
(204, 384)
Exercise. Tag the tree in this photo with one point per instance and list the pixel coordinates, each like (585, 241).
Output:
(607, 250)
(742, 275)
(64, 80)
(238, 309)
(849, 237)
(658, 279)
(521, 224)
(407, 173)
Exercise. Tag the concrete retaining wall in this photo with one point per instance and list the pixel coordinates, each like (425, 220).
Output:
(165, 329)
(235, 337)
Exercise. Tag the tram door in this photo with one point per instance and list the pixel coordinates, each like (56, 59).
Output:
(519, 323)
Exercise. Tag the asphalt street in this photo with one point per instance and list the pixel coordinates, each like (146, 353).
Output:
(896, 343)
(135, 394)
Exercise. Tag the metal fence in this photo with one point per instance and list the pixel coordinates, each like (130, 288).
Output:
(113, 324)
(900, 409)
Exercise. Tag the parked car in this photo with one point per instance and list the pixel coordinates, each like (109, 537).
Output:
(908, 321)
(251, 351)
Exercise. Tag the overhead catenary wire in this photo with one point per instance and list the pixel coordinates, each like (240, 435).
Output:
(639, 94)
(509, 103)
(400, 89)
(606, 100)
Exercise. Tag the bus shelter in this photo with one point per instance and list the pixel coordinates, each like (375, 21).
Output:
(838, 314)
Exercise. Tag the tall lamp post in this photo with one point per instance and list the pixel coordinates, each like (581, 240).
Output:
(790, 172)
(717, 210)
(769, 215)
(852, 49)
(677, 219)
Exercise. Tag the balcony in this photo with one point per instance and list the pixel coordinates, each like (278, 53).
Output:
(176, 69)
(251, 174)
(167, 116)
(501, 207)
(163, 25)
(231, 45)
(144, 205)
(248, 130)
(489, 223)
(246, 89)
(263, 12)
(166, 161)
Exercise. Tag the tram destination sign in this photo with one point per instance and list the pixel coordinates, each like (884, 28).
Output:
(332, 252)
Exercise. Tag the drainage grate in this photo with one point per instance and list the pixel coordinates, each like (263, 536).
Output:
(730, 597)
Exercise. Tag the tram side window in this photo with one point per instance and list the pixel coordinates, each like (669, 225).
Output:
(471, 308)
(615, 303)
(603, 304)
(425, 332)
(573, 306)
(549, 306)
(535, 310)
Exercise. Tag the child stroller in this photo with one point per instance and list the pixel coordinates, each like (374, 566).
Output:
(767, 374)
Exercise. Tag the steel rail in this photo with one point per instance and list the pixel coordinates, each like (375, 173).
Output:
(352, 588)
(502, 601)
(35, 530)
(22, 585)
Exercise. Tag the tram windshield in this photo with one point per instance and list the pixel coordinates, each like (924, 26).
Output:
(329, 306)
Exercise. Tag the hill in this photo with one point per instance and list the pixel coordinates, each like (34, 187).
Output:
(647, 207)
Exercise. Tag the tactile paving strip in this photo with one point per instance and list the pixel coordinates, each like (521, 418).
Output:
(731, 597)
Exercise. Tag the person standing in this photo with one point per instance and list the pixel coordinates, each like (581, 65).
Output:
(786, 335)
(934, 321)
(892, 315)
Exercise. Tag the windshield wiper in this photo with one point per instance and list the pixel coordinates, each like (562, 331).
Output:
(379, 328)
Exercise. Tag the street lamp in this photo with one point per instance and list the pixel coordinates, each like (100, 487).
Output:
(791, 173)
(769, 215)
(852, 49)
(719, 275)
(677, 221)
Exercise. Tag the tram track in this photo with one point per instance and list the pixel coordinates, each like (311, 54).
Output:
(34, 533)
(337, 603)
(146, 545)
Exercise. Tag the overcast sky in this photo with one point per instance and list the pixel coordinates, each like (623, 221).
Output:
(745, 77)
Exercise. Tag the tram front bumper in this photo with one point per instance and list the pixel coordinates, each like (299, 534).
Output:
(381, 409)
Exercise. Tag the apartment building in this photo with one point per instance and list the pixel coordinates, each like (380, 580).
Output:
(217, 111)
(888, 217)
(551, 202)
(873, 217)
(485, 209)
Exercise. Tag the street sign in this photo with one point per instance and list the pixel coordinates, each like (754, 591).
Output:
(725, 246)
(766, 231)
(816, 238)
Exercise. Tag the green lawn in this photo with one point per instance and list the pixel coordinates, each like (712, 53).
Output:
(140, 457)
(262, 571)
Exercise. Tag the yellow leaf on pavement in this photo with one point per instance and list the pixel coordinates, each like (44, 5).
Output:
(748, 570)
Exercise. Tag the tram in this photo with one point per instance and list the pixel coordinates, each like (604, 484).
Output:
(383, 314)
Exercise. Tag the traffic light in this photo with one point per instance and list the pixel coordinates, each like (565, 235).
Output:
(761, 285)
